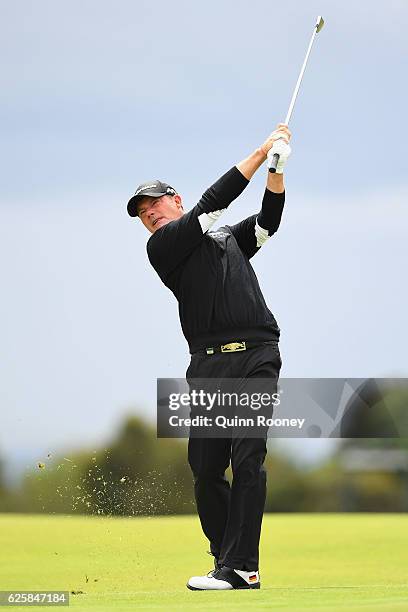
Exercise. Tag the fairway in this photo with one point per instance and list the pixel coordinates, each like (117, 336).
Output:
(308, 561)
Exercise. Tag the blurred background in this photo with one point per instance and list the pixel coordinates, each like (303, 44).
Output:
(98, 97)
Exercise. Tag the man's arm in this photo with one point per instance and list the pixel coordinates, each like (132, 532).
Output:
(275, 183)
(217, 198)
(251, 164)
(254, 231)
(173, 242)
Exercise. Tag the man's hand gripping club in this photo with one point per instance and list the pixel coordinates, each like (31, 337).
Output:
(278, 142)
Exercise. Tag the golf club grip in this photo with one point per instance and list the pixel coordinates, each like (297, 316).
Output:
(274, 163)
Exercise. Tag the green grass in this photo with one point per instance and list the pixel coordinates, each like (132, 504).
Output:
(308, 562)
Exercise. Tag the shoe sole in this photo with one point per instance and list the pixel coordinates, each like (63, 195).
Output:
(250, 586)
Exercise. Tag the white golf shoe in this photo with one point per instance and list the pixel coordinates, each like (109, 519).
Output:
(223, 579)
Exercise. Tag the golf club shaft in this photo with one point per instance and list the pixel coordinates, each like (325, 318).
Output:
(302, 71)
(317, 28)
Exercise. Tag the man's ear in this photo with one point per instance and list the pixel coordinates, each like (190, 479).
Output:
(178, 201)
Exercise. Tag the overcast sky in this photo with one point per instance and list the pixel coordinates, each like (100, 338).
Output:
(98, 96)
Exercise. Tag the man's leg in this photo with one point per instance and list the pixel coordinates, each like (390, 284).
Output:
(208, 459)
(240, 548)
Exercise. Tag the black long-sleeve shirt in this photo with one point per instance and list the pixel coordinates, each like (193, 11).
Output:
(210, 274)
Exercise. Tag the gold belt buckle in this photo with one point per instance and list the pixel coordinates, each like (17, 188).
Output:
(232, 347)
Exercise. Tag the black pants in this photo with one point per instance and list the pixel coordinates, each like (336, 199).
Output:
(231, 516)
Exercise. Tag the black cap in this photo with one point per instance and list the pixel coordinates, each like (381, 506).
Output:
(155, 189)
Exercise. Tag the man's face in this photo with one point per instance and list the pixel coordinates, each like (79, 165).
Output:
(156, 212)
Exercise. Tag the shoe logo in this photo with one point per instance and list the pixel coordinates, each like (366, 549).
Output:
(253, 578)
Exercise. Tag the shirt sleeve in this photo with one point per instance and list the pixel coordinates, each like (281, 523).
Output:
(254, 231)
(173, 242)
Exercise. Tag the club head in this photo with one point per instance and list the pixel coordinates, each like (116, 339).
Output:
(319, 23)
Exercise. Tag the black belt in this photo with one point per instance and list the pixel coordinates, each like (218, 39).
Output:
(233, 347)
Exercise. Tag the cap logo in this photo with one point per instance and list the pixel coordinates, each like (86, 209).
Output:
(145, 187)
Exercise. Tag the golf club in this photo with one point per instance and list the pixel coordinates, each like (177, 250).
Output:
(273, 162)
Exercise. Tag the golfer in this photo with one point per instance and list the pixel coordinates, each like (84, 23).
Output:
(231, 333)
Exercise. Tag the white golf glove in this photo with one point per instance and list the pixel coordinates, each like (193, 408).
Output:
(283, 150)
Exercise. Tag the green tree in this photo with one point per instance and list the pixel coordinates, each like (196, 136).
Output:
(2, 482)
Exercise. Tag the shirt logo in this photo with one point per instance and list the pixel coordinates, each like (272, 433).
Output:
(218, 234)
